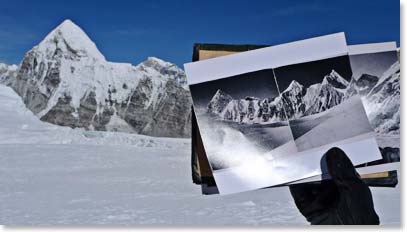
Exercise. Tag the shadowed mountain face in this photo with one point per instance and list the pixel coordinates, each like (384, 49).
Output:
(65, 80)
(365, 83)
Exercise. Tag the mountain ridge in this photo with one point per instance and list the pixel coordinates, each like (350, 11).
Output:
(297, 101)
(65, 80)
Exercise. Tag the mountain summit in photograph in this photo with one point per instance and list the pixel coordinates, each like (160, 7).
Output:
(293, 102)
(66, 80)
(300, 101)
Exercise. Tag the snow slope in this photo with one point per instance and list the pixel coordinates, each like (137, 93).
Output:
(55, 175)
(329, 125)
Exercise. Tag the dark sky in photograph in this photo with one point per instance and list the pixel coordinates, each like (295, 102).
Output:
(373, 63)
(260, 84)
(310, 73)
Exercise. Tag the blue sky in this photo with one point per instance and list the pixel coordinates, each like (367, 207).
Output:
(130, 31)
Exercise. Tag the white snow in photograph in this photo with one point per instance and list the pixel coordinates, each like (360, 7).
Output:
(343, 121)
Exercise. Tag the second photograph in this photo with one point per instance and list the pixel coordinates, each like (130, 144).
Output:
(318, 104)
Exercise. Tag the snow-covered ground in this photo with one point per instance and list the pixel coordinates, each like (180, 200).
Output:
(341, 122)
(54, 175)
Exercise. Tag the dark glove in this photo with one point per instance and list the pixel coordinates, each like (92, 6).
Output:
(341, 198)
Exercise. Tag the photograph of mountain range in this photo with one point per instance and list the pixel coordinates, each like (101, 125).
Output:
(244, 110)
(376, 78)
(315, 99)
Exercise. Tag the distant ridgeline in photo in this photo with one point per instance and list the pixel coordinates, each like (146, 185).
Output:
(295, 101)
(319, 108)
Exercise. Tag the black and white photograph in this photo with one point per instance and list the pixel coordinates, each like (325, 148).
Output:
(317, 104)
(377, 67)
(239, 114)
(376, 77)
(257, 132)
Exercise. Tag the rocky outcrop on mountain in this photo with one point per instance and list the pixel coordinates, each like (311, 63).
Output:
(336, 80)
(157, 67)
(65, 80)
(7, 73)
(219, 101)
(293, 100)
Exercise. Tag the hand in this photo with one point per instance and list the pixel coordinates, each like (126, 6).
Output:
(341, 198)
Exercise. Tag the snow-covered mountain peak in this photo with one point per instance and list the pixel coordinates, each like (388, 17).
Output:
(294, 86)
(65, 80)
(154, 61)
(69, 38)
(68, 26)
(7, 73)
(157, 67)
(5, 67)
(219, 94)
(334, 73)
(219, 101)
(386, 81)
(336, 80)
(394, 69)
